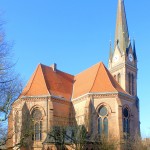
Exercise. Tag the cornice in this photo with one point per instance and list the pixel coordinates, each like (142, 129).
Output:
(132, 67)
(29, 99)
(103, 95)
(35, 98)
(40, 96)
(127, 97)
(115, 68)
(80, 99)
(54, 99)
(58, 97)
(43, 97)
(94, 95)
(122, 65)
(84, 97)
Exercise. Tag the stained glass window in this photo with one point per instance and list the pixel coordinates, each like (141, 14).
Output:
(103, 111)
(129, 83)
(103, 121)
(125, 112)
(105, 126)
(37, 117)
(100, 125)
(37, 131)
(126, 122)
(132, 84)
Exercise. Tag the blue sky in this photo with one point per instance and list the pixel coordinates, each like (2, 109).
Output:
(75, 34)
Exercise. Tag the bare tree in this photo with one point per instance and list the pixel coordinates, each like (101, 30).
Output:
(10, 85)
(62, 137)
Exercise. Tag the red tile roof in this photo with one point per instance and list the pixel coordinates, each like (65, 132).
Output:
(95, 79)
(36, 85)
(46, 81)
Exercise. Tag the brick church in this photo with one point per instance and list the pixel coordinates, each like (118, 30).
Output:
(107, 97)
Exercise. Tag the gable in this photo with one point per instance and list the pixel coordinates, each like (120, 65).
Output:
(96, 79)
(46, 81)
(36, 85)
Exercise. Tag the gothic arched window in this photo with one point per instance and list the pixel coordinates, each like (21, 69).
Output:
(132, 84)
(37, 123)
(103, 121)
(129, 82)
(126, 122)
(119, 78)
(100, 125)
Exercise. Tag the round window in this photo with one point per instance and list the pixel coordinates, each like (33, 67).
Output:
(125, 112)
(36, 114)
(103, 111)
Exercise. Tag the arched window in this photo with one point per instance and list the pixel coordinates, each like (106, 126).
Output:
(37, 123)
(103, 121)
(99, 125)
(132, 84)
(126, 122)
(119, 78)
(129, 82)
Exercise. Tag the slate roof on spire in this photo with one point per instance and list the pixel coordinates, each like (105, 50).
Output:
(134, 50)
(122, 34)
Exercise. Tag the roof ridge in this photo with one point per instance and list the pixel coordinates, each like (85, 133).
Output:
(110, 75)
(65, 72)
(32, 78)
(44, 79)
(88, 68)
(96, 75)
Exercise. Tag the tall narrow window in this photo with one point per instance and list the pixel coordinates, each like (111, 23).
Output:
(100, 125)
(132, 84)
(105, 126)
(37, 131)
(126, 122)
(103, 121)
(129, 82)
(37, 121)
(119, 78)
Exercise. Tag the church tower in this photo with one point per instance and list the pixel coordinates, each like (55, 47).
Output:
(123, 59)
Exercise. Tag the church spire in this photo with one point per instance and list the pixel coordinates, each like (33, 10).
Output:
(134, 50)
(122, 35)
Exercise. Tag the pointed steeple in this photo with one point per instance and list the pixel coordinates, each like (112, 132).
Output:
(122, 35)
(134, 50)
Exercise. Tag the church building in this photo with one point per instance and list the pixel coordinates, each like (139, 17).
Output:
(103, 100)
